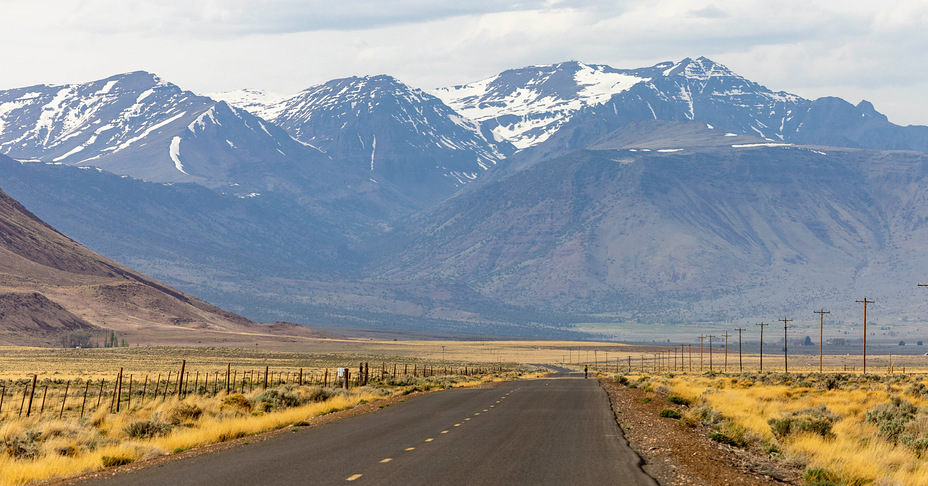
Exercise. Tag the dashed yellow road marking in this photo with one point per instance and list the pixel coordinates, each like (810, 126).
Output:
(457, 425)
(477, 413)
(444, 431)
(386, 460)
(468, 418)
(410, 449)
(429, 439)
(352, 478)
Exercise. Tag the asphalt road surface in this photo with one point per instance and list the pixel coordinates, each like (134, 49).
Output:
(552, 431)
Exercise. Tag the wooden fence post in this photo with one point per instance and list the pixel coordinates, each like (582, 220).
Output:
(129, 401)
(100, 395)
(29, 410)
(180, 379)
(325, 379)
(144, 389)
(2, 393)
(84, 402)
(65, 400)
(228, 372)
(44, 394)
(115, 389)
(266, 368)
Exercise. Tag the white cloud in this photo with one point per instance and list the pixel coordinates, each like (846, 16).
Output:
(855, 49)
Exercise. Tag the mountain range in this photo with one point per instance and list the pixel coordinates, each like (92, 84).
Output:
(53, 288)
(521, 204)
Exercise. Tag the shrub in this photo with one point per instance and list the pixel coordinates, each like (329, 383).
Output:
(891, 418)
(238, 401)
(819, 477)
(146, 429)
(670, 413)
(184, 412)
(723, 439)
(622, 380)
(677, 399)
(21, 446)
(815, 420)
(113, 461)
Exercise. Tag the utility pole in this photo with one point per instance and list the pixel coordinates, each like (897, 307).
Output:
(726, 351)
(682, 363)
(690, 346)
(865, 302)
(740, 363)
(710, 351)
(785, 355)
(700, 351)
(762, 326)
(821, 335)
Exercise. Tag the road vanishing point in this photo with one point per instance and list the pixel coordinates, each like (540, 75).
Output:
(558, 430)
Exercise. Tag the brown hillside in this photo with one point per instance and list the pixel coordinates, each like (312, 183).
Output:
(51, 286)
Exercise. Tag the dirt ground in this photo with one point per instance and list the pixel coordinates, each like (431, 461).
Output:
(676, 454)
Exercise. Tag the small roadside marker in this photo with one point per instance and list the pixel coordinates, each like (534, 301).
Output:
(352, 478)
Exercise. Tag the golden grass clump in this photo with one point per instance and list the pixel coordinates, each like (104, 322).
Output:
(860, 430)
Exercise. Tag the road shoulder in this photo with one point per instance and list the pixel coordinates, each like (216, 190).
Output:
(676, 454)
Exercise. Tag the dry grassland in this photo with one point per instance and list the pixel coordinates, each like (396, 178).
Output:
(844, 428)
(42, 446)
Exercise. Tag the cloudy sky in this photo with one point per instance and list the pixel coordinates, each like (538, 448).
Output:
(854, 49)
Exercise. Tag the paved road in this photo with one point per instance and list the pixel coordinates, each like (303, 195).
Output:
(554, 431)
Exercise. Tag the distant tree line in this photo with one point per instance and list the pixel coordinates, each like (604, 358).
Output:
(84, 339)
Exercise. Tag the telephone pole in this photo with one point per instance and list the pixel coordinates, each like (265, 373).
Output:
(762, 326)
(821, 335)
(700, 351)
(690, 346)
(785, 355)
(865, 302)
(740, 362)
(726, 351)
(710, 351)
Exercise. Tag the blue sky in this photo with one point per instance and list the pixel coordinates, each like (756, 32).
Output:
(857, 50)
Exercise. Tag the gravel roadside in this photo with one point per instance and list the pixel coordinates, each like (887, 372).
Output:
(676, 454)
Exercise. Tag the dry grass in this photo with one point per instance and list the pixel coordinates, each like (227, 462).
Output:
(837, 434)
(42, 447)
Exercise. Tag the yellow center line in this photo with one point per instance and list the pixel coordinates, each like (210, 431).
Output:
(386, 460)
(410, 449)
(457, 425)
(478, 413)
(468, 418)
(444, 431)
(429, 439)
(352, 478)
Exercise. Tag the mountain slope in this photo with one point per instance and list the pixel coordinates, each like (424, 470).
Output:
(51, 285)
(394, 133)
(138, 125)
(722, 231)
(567, 105)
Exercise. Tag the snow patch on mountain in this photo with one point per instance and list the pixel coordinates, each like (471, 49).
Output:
(526, 106)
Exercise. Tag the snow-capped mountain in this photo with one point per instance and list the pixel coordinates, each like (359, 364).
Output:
(378, 124)
(525, 106)
(138, 125)
(529, 106)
